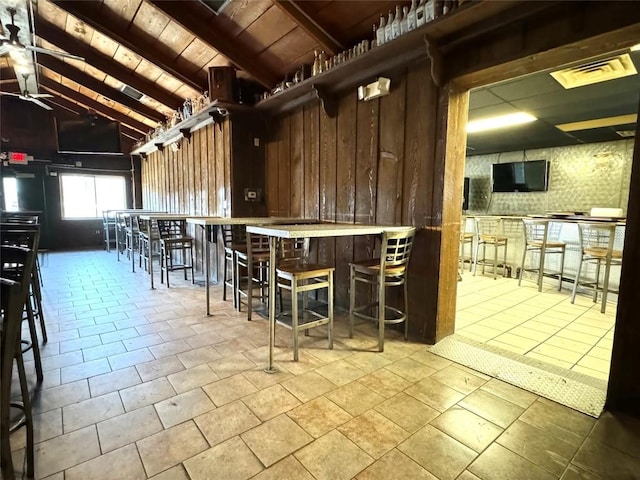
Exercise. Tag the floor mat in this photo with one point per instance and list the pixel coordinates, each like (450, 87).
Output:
(575, 390)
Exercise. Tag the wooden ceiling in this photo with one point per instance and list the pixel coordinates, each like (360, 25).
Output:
(164, 48)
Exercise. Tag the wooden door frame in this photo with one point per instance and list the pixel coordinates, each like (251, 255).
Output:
(623, 388)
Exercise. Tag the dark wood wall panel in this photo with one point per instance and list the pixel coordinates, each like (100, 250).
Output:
(328, 138)
(194, 180)
(271, 180)
(345, 189)
(374, 162)
(296, 140)
(391, 161)
(284, 168)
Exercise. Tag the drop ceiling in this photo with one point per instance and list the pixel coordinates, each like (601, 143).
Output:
(542, 96)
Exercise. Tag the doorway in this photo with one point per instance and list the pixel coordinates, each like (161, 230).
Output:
(481, 298)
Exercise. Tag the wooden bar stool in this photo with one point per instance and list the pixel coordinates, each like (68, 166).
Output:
(176, 248)
(489, 232)
(395, 252)
(148, 248)
(254, 260)
(13, 296)
(598, 244)
(295, 275)
(234, 238)
(466, 238)
(538, 239)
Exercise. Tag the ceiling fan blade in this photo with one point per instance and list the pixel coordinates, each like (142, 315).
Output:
(40, 95)
(12, 94)
(39, 103)
(53, 52)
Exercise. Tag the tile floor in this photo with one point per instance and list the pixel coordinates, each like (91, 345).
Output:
(140, 385)
(545, 326)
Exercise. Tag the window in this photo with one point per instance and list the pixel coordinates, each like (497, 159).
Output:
(10, 185)
(86, 196)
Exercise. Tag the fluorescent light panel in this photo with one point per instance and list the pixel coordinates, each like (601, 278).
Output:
(500, 121)
(598, 123)
(635, 48)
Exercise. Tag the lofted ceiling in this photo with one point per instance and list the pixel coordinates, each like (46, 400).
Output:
(163, 49)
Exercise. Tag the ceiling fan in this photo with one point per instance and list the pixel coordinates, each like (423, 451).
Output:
(31, 97)
(14, 43)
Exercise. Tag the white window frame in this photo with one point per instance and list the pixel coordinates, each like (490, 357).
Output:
(98, 209)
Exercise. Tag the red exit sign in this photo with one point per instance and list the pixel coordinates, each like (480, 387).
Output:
(18, 157)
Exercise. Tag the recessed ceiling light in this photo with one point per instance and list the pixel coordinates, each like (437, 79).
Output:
(598, 123)
(501, 121)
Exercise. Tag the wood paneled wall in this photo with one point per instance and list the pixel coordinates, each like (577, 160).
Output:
(195, 180)
(374, 162)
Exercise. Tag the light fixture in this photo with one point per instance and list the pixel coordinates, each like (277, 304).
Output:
(500, 121)
(635, 48)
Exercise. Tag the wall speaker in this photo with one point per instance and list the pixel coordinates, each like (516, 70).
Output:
(221, 83)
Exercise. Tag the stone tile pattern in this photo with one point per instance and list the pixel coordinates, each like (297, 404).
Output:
(412, 415)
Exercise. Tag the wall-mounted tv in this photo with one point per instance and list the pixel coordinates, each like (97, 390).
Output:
(93, 134)
(531, 176)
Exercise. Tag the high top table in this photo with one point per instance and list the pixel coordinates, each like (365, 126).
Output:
(210, 227)
(322, 230)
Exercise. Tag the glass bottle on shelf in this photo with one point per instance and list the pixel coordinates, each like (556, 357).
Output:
(322, 61)
(387, 29)
(380, 35)
(429, 10)
(314, 68)
(395, 25)
(420, 14)
(187, 108)
(411, 17)
(404, 23)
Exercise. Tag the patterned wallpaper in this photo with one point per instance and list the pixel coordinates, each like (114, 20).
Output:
(580, 177)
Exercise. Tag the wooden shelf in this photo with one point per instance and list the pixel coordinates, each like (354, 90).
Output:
(184, 129)
(467, 22)
(386, 58)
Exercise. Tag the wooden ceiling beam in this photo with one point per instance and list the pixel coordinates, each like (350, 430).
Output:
(138, 42)
(328, 43)
(189, 14)
(72, 73)
(57, 36)
(57, 88)
(78, 109)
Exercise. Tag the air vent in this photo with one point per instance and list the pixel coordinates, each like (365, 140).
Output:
(595, 72)
(216, 6)
(626, 133)
(131, 92)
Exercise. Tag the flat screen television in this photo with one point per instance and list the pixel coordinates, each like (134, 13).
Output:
(531, 176)
(92, 134)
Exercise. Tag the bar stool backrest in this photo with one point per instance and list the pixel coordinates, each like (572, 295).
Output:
(597, 238)
(172, 228)
(489, 226)
(16, 264)
(234, 235)
(17, 217)
(396, 247)
(535, 230)
(293, 249)
(20, 235)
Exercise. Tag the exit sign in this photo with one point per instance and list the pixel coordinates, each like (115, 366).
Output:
(18, 157)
